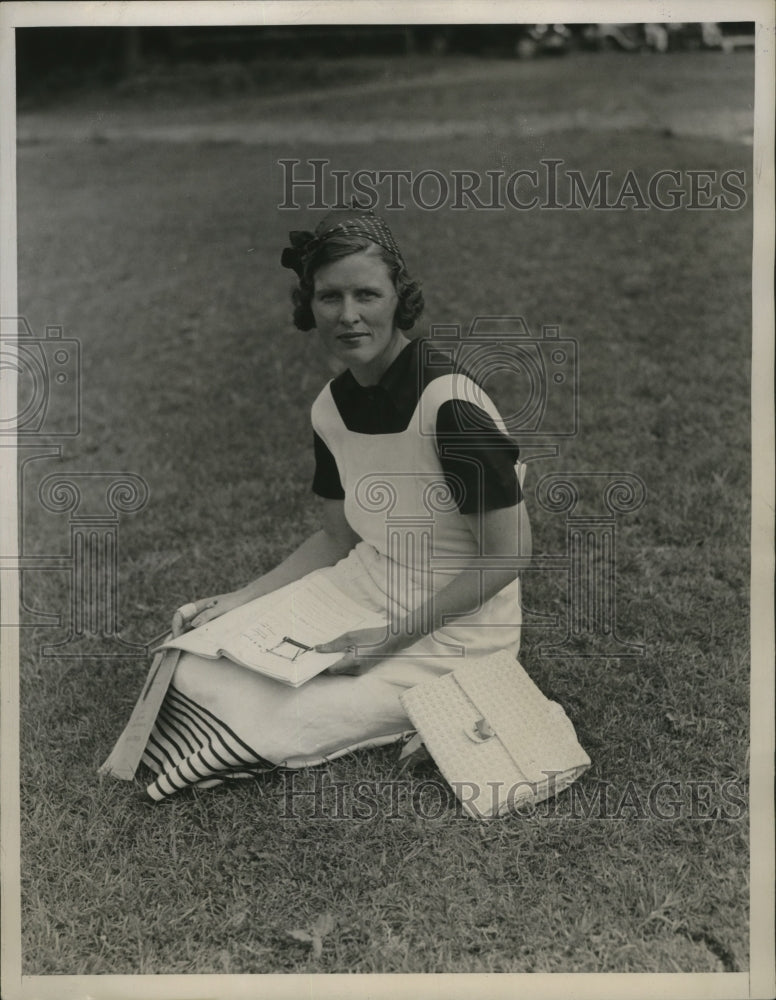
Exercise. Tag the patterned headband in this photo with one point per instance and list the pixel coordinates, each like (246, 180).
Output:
(352, 222)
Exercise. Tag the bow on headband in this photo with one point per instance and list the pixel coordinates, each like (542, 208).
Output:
(364, 223)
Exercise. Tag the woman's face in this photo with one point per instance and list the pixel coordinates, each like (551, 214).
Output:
(354, 305)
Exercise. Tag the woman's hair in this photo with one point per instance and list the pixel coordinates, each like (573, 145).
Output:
(343, 244)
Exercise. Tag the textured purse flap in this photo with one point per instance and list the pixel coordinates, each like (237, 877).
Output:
(480, 771)
(535, 731)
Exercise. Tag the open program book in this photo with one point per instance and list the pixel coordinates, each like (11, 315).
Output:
(275, 634)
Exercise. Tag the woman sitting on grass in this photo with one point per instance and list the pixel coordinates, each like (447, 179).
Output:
(402, 440)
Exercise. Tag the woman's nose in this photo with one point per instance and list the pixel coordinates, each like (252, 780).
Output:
(350, 313)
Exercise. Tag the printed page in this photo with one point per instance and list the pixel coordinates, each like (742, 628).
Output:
(310, 612)
(274, 634)
(209, 639)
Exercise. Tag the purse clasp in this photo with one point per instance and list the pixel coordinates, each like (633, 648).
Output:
(481, 732)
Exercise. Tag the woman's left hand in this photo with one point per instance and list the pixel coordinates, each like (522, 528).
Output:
(363, 648)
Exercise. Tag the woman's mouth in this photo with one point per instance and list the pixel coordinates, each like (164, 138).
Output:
(352, 338)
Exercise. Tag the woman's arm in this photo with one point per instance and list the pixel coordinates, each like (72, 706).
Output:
(326, 547)
(503, 534)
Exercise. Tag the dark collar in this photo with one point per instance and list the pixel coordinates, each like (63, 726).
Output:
(387, 406)
(401, 380)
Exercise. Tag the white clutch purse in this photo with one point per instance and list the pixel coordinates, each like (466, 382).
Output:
(498, 741)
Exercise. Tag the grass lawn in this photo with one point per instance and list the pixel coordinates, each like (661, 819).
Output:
(162, 259)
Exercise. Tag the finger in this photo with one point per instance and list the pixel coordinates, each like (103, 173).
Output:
(335, 645)
(181, 619)
(203, 618)
(203, 614)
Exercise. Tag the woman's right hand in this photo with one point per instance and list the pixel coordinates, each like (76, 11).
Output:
(198, 612)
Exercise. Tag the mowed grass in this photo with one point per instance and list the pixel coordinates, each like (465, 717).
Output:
(163, 262)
